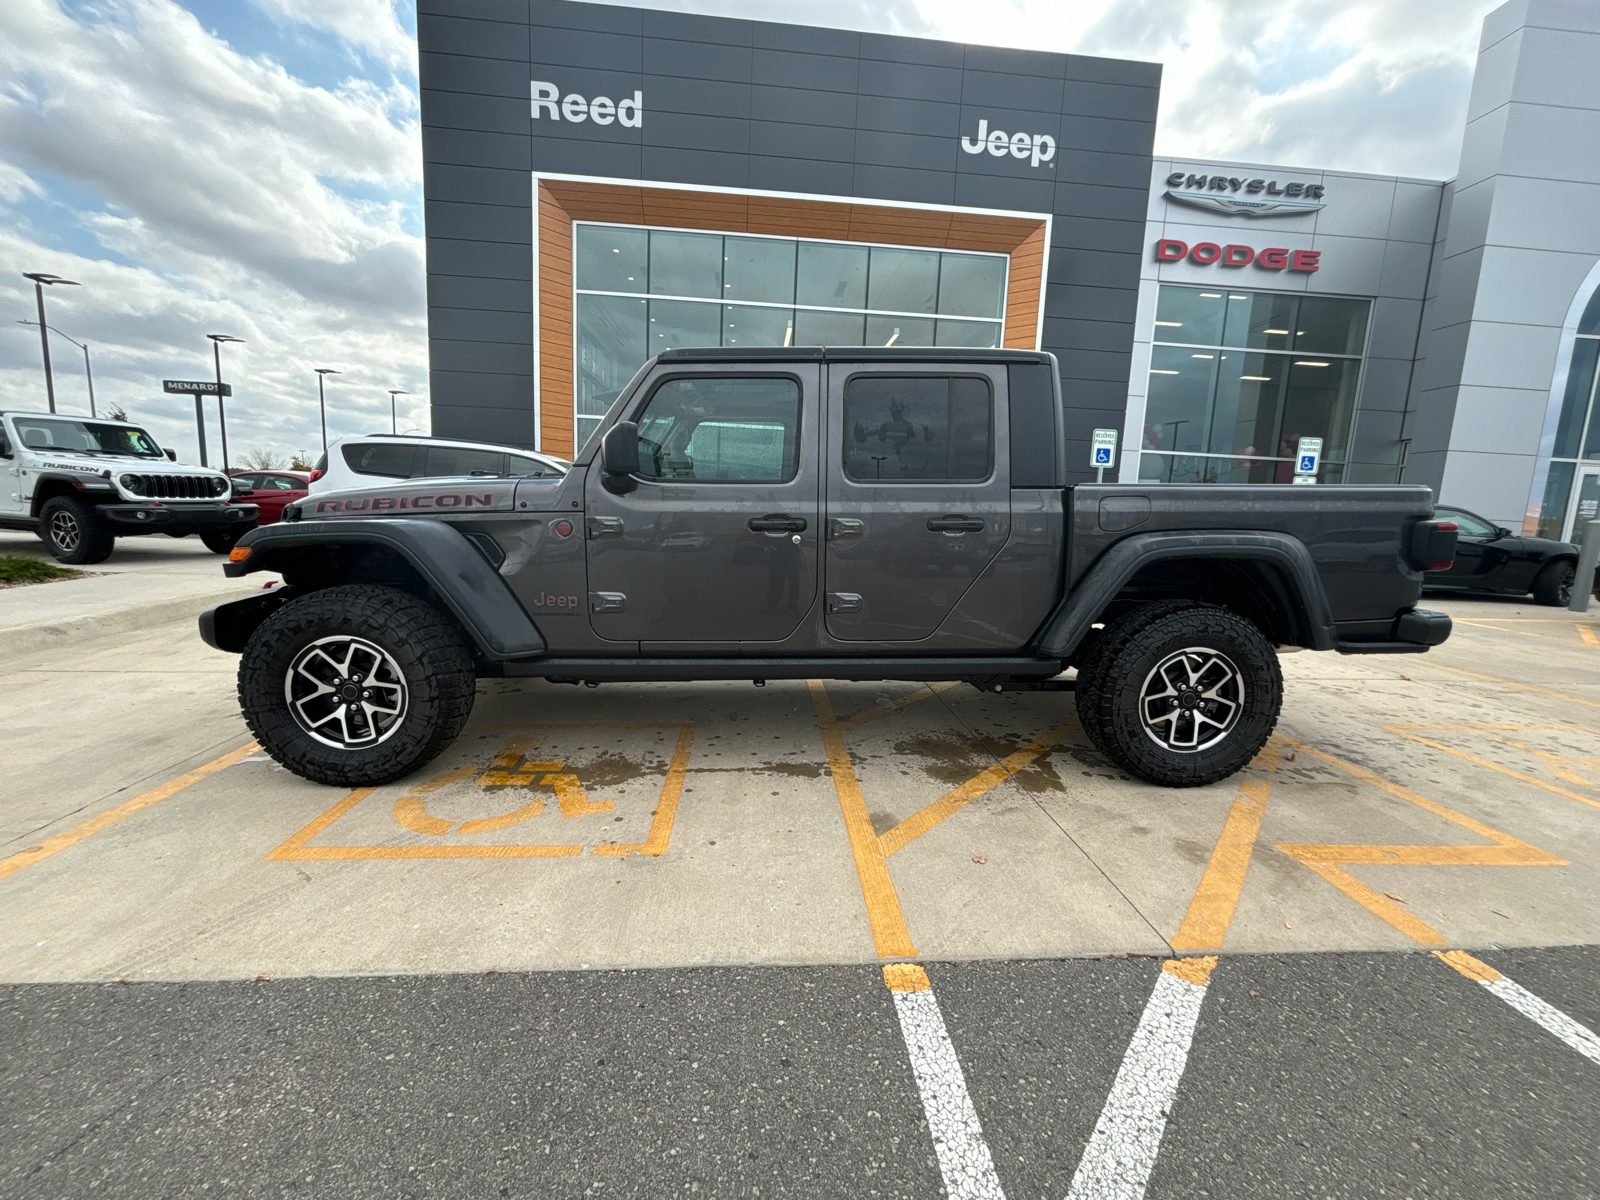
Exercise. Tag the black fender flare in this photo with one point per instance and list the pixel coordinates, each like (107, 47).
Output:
(1074, 616)
(453, 567)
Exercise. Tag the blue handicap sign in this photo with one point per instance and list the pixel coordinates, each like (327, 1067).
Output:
(1102, 456)
(1308, 464)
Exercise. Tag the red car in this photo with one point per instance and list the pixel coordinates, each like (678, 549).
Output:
(269, 490)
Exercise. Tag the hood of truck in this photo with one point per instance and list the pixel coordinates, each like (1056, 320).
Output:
(414, 497)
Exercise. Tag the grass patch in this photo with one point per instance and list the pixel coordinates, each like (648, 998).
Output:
(21, 568)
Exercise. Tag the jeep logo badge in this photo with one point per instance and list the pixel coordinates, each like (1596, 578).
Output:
(1040, 147)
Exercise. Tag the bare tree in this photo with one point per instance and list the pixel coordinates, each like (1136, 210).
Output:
(300, 460)
(258, 459)
(116, 413)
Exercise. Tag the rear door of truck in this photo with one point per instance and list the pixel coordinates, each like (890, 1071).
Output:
(917, 492)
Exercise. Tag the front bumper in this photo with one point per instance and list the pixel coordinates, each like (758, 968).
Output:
(170, 518)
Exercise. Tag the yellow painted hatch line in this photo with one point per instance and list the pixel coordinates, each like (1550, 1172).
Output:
(924, 819)
(1408, 731)
(1472, 968)
(71, 837)
(1329, 861)
(890, 934)
(1422, 661)
(1205, 925)
(906, 977)
(1192, 970)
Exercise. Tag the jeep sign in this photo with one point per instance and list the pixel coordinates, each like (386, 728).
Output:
(602, 110)
(1041, 147)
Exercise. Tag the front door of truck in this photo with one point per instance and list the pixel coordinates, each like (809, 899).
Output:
(13, 503)
(918, 493)
(717, 543)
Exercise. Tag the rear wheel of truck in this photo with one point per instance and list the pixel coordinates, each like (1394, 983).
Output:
(356, 685)
(1184, 697)
(74, 533)
(1091, 671)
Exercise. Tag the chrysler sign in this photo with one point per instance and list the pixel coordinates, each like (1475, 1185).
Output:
(1237, 196)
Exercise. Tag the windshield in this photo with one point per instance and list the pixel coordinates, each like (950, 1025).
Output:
(85, 437)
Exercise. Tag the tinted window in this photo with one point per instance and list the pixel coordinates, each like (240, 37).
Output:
(454, 460)
(920, 428)
(377, 458)
(733, 430)
(279, 483)
(1471, 526)
(521, 465)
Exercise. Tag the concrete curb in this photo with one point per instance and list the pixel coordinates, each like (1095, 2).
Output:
(46, 635)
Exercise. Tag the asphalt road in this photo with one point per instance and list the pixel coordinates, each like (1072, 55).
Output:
(1353, 1075)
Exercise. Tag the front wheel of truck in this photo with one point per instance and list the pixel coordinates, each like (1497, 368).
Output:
(1185, 697)
(356, 686)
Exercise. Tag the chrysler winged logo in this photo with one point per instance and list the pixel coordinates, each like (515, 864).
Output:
(1238, 197)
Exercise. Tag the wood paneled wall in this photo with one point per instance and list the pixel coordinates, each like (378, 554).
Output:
(562, 203)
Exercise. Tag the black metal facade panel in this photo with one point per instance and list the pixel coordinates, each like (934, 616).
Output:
(770, 107)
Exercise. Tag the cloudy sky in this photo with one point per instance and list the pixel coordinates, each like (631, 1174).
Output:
(252, 167)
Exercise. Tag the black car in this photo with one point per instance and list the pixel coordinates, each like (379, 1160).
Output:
(1490, 558)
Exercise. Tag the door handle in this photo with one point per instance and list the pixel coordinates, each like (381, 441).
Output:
(952, 523)
(777, 523)
(599, 527)
(839, 527)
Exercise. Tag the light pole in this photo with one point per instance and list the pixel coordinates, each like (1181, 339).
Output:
(222, 417)
(394, 418)
(40, 278)
(322, 404)
(87, 373)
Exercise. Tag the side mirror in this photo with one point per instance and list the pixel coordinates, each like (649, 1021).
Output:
(243, 493)
(1500, 531)
(619, 458)
(173, 455)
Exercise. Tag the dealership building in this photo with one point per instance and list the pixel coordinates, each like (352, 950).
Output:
(603, 183)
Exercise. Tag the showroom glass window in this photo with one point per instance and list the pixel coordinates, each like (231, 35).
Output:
(641, 291)
(1572, 489)
(1237, 378)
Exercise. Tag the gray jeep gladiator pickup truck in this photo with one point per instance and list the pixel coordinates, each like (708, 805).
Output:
(883, 513)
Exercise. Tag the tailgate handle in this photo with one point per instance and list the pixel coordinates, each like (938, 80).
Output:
(777, 523)
(952, 523)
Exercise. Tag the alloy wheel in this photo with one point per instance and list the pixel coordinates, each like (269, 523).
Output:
(65, 532)
(1191, 700)
(346, 692)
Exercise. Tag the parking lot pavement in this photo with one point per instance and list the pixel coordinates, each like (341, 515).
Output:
(147, 581)
(718, 842)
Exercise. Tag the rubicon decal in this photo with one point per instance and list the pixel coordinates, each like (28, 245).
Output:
(1039, 147)
(445, 500)
(1236, 196)
(549, 103)
(1274, 258)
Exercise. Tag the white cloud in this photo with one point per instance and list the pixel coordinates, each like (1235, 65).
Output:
(370, 26)
(221, 194)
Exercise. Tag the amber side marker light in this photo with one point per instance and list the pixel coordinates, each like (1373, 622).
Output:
(239, 554)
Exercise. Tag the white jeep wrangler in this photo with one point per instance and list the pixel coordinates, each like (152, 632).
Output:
(80, 483)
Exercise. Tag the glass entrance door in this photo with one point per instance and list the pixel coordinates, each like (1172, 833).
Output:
(1585, 504)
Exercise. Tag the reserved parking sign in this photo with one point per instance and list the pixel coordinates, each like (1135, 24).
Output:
(1103, 448)
(1308, 456)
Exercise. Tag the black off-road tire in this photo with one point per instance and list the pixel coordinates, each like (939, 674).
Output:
(1126, 666)
(222, 541)
(1553, 584)
(429, 649)
(74, 533)
(1092, 673)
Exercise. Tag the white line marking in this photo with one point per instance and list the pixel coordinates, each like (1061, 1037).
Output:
(1116, 1164)
(964, 1158)
(1579, 1036)
(1547, 1016)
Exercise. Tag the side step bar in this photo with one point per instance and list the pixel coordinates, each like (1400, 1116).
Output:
(681, 670)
